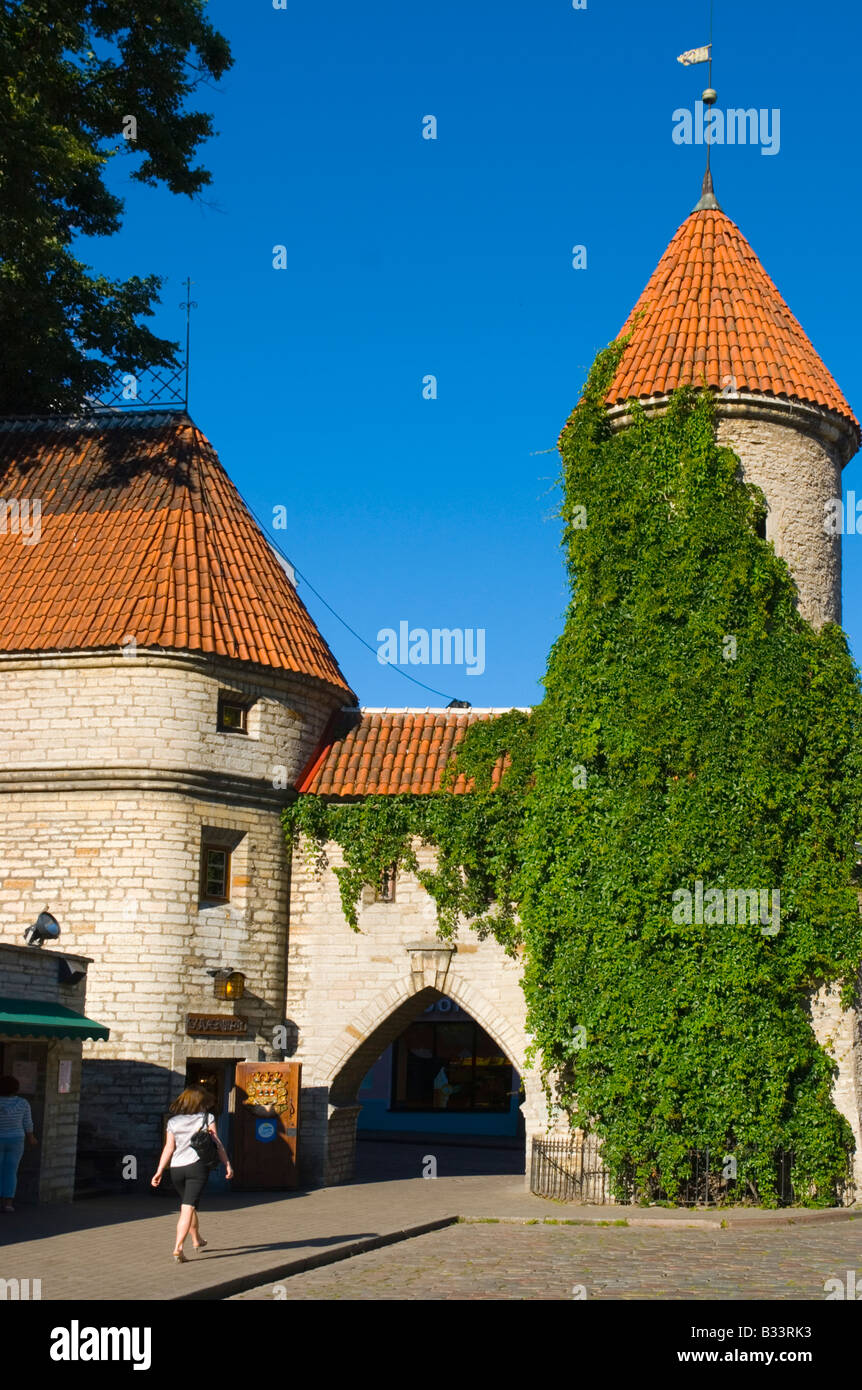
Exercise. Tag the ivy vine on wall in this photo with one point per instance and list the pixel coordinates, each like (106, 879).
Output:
(695, 730)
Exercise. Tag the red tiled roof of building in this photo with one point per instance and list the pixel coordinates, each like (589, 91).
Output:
(143, 535)
(712, 316)
(366, 752)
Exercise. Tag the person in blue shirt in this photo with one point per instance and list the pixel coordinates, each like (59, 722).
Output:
(16, 1129)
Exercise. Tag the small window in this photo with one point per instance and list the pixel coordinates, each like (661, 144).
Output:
(232, 716)
(215, 874)
(385, 892)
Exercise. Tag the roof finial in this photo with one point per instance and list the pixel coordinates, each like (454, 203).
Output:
(707, 194)
(709, 98)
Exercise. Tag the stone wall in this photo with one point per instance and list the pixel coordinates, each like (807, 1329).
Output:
(145, 716)
(798, 474)
(59, 1136)
(114, 772)
(351, 993)
(838, 1032)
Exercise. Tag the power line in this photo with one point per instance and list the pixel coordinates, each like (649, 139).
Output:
(344, 623)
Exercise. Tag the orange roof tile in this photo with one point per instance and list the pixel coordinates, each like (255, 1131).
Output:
(143, 535)
(366, 752)
(711, 316)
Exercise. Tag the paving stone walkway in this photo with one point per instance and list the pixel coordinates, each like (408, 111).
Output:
(500, 1261)
(120, 1247)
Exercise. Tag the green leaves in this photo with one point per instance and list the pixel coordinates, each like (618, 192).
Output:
(730, 761)
(662, 754)
(71, 74)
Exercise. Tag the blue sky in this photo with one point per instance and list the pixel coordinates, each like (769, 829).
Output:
(408, 257)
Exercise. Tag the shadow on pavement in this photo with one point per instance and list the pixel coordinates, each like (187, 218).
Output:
(387, 1160)
(60, 1218)
(230, 1252)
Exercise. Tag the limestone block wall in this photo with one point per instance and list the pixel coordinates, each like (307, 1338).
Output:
(59, 1136)
(798, 474)
(33, 973)
(113, 773)
(153, 713)
(838, 1032)
(350, 994)
(121, 874)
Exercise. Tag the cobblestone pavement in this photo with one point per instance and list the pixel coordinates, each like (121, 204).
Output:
(499, 1261)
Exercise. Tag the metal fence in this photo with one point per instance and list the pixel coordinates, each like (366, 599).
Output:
(570, 1169)
(719, 1179)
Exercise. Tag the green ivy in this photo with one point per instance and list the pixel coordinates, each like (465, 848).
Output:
(663, 753)
(476, 836)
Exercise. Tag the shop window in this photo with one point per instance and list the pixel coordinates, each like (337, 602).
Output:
(450, 1066)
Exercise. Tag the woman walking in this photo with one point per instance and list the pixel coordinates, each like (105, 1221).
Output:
(16, 1129)
(190, 1121)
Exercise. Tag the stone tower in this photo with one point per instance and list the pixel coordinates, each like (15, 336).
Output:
(162, 687)
(711, 316)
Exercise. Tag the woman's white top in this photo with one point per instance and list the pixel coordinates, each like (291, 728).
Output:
(182, 1127)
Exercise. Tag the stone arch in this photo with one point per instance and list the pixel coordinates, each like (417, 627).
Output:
(360, 1044)
(380, 1022)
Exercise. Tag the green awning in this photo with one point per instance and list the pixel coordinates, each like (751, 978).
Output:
(38, 1018)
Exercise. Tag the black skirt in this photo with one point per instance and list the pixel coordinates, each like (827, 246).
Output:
(190, 1179)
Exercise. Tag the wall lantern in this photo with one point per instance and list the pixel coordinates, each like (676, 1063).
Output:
(227, 984)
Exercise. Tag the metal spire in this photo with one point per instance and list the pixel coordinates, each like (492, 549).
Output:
(188, 304)
(709, 98)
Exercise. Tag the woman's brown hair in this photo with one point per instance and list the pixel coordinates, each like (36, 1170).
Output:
(192, 1101)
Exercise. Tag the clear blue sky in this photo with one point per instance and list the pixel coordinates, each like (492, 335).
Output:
(453, 257)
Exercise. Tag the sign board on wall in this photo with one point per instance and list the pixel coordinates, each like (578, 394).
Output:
(64, 1076)
(215, 1025)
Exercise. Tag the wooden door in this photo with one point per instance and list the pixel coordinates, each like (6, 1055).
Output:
(266, 1124)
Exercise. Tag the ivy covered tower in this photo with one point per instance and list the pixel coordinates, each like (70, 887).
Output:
(711, 316)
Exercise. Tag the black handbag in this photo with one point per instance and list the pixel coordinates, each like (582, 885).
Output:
(205, 1146)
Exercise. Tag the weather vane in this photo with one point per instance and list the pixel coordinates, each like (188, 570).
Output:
(709, 98)
(188, 304)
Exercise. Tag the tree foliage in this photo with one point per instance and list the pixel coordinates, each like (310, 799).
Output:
(72, 73)
(663, 754)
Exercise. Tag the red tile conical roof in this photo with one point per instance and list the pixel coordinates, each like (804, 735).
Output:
(143, 535)
(713, 317)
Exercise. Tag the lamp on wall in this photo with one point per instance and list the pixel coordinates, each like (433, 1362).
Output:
(227, 984)
(45, 928)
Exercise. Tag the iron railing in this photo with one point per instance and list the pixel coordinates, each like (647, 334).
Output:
(570, 1169)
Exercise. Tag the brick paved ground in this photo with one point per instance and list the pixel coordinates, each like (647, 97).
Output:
(119, 1247)
(500, 1261)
